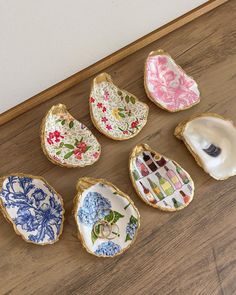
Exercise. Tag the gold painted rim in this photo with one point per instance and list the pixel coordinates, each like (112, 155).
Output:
(85, 183)
(179, 130)
(55, 109)
(107, 78)
(8, 218)
(162, 52)
(137, 150)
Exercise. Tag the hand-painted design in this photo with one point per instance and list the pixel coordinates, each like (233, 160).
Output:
(94, 207)
(116, 113)
(167, 84)
(159, 181)
(107, 249)
(211, 139)
(100, 203)
(131, 228)
(66, 141)
(34, 208)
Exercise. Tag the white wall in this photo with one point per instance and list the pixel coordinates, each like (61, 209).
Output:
(43, 42)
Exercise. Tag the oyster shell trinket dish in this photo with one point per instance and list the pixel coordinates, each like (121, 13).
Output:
(211, 139)
(33, 207)
(67, 142)
(116, 113)
(160, 182)
(167, 84)
(106, 218)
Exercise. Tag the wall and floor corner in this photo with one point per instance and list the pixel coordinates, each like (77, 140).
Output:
(45, 43)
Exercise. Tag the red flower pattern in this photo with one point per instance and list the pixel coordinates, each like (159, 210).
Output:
(134, 124)
(104, 119)
(108, 126)
(56, 135)
(99, 105)
(92, 99)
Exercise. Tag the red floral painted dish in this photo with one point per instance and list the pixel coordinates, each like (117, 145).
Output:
(116, 113)
(66, 141)
(167, 84)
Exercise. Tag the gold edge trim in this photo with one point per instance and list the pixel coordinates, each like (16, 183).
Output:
(54, 110)
(162, 52)
(91, 111)
(8, 218)
(179, 130)
(137, 150)
(87, 183)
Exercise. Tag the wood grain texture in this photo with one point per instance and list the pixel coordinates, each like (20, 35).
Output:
(188, 252)
(108, 61)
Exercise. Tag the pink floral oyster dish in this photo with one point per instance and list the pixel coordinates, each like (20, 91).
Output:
(116, 113)
(66, 141)
(167, 84)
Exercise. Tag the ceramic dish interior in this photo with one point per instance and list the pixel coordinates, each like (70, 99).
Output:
(33, 207)
(116, 113)
(212, 140)
(66, 141)
(107, 219)
(160, 182)
(167, 84)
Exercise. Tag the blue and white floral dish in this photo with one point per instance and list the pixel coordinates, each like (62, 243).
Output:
(33, 207)
(98, 200)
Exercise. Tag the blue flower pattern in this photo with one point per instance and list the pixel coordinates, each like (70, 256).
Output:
(107, 249)
(95, 207)
(131, 229)
(39, 212)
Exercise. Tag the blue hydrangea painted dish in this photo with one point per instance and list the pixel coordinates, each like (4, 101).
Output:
(33, 207)
(159, 181)
(106, 218)
(115, 112)
(67, 142)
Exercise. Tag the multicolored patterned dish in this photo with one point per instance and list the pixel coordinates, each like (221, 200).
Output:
(116, 113)
(211, 139)
(98, 200)
(67, 142)
(167, 84)
(160, 182)
(33, 207)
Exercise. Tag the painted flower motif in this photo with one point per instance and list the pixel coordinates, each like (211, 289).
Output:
(131, 229)
(82, 146)
(39, 213)
(92, 99)
(162, 60)
(108, 126)
(104, 119)
(54, 136)
(25, 220)
(38, 195)
(106, 95)
(99, 105)
(108, 249)
(95, 207)
(115, 114)
(125, 132)
(169, 76)
(134, 124)
(104, 109)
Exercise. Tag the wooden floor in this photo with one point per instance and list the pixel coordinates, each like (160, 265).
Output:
(189, 252)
